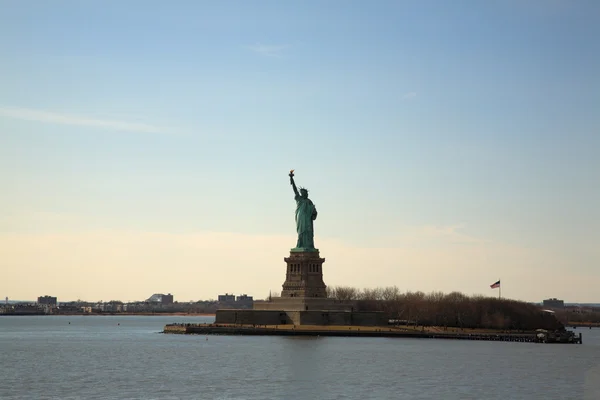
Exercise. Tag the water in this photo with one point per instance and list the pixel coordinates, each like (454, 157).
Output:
(125, 358)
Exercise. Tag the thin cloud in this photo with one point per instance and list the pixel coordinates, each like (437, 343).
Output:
(425, 235)
(409, 95)
(451, 234)
(68, 119)
(268, 50)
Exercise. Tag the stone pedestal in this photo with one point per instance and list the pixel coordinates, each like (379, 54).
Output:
(303, 300)
(304, 275)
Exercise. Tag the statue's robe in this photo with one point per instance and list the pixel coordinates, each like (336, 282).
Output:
(306, 213)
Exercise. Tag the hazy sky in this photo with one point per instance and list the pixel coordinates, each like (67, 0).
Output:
(145, 146)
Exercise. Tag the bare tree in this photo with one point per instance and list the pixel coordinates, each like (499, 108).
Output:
(450, 310)
(345, 293)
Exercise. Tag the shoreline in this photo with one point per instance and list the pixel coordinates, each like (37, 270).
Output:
(369, 331)
(149, 314)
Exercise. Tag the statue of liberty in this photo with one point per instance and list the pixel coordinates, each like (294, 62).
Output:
(306, 213)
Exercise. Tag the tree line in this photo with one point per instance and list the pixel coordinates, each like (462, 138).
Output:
(448, 310)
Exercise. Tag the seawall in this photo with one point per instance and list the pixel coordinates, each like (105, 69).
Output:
(345, 331)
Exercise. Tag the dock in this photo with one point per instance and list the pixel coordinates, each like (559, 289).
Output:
(353, 331)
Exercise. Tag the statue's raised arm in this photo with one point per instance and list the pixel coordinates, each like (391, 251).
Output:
(293, 183)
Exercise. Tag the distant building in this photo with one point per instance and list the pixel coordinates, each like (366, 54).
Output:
(113, 306)
(244, 300)
(161, 298)
(553, 303)
(578, 309)
(231, 301)
(226, 298)
(47, 300)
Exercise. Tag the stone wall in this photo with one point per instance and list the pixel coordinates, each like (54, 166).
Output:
(304, 304)
(252, 317)
(369, 319)
(326, 318)
(278, 317)
(342, 318)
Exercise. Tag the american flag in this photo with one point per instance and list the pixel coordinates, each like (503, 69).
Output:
(495, 285)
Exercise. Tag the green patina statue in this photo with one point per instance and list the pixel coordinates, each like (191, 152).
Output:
(306, 213)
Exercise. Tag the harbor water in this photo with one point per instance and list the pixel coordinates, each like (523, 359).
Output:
(125, 357)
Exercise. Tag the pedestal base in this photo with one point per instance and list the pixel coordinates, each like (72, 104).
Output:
(304, 275)
(303, 300)
(304, 304)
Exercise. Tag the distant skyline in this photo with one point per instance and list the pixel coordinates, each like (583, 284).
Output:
(144, 147)
(567, 304)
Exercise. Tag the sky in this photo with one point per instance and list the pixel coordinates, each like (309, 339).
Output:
(145, 146)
